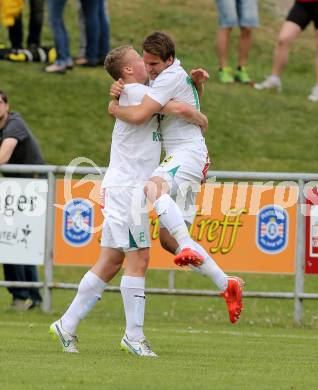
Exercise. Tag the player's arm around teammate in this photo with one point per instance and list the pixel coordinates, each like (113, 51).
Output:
(183, 110)
(140, 113)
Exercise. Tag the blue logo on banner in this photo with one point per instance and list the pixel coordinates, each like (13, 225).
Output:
(272, 229)
(78, 222)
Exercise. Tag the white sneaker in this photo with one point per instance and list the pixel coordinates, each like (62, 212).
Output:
(270, 83)
(55, 68)
(67, 340)
(313, 97)
(139, 348)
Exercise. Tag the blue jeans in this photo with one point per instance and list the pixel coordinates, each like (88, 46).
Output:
(97, 30)
(56, 10)
(243, 13)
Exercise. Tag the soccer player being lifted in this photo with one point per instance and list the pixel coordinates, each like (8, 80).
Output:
(135, 153)
(185, 165)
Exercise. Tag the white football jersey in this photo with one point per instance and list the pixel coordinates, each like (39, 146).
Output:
(135, 150)
(174, 83)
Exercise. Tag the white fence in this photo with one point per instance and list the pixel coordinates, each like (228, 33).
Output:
(51, 171)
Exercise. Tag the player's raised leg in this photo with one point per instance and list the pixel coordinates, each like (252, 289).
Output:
(171, 218)
(231, 287)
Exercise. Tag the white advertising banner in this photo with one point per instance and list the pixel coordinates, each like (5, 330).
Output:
(23, 204)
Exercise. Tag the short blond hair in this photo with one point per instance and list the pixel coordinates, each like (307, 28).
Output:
(116, 60)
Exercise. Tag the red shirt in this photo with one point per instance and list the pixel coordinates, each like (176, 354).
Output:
(307, 1)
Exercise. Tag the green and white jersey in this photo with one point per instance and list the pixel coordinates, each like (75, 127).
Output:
(174, 83)
(135, 149)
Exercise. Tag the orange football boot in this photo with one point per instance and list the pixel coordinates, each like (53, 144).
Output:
(188, 256)
(233, 297)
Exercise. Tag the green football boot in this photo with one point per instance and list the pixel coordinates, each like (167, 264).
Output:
(226, 75)
(241, 75)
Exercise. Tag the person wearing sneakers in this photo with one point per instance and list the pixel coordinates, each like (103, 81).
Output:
(233, 13)
(186, 163)
(299, 17)
(135, 152)
(64, 60)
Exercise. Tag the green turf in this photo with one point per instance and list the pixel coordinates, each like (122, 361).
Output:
(198, 347)
(249, 130)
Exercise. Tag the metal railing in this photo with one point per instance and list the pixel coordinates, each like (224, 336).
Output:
(52, 170)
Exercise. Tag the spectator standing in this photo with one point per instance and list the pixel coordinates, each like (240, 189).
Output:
(35, 27)
(18, 146)
(299, 17)
(232, 13)
(64, 60)
(81, 23)
(96, 32)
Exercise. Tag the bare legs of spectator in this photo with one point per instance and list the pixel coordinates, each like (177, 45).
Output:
(287, 35)
(244, 45)
(314, 93)
(223, 43)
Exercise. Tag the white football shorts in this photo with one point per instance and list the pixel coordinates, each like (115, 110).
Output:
(185, 168)
(126, 223)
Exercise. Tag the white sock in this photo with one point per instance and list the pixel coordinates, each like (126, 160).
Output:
(89, 291)
(171, 218)
(275, 79)
(133, 293)
(209, 268)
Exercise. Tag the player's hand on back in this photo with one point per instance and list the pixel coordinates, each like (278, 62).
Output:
(112, 106)
(116, 89)
(199, 75)
(205, 124)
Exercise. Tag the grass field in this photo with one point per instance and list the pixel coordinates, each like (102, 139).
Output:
(198, 347)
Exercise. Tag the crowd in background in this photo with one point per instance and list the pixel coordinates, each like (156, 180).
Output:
(95, 36)
(93, 25)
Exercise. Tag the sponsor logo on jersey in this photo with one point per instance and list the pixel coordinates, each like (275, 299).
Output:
(272, 229)
(78, 222)
(166, 160)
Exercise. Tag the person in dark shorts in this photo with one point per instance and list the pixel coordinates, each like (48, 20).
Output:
(299, 17)
(18, 146)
